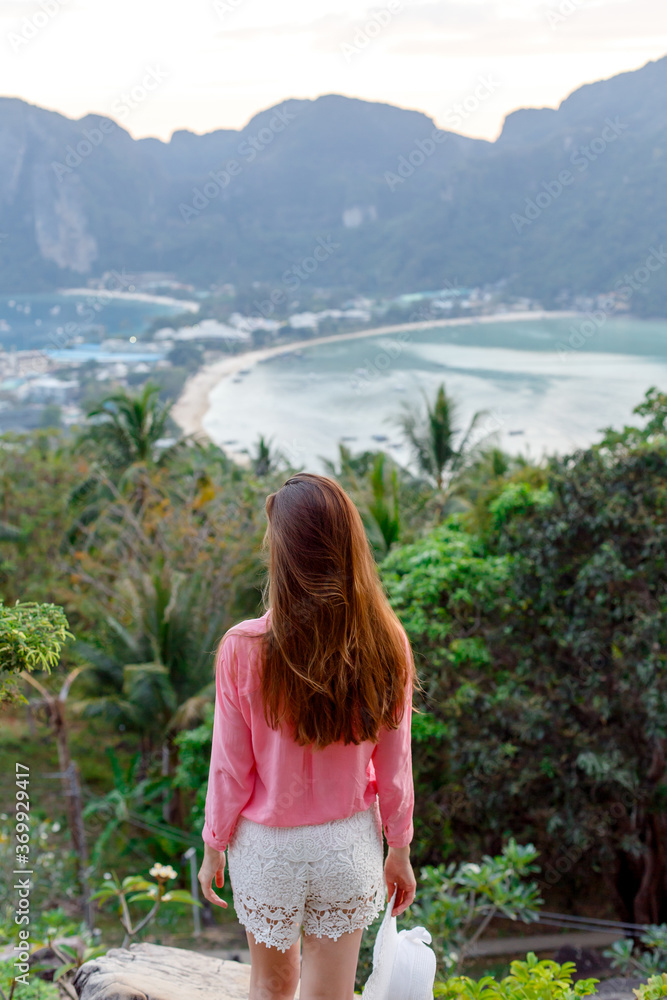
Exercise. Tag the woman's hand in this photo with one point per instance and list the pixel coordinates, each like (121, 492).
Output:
(212, 867)
(399, 875)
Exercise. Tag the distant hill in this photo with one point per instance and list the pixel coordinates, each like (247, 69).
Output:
(565, 202)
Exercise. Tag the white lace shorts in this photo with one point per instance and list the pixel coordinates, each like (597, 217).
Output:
(327, 878)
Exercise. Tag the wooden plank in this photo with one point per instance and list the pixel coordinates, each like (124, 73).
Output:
(155, 972)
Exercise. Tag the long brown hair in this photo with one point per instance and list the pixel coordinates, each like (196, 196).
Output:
(334, 659)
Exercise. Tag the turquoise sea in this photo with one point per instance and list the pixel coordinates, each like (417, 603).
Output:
(47, 321)
(540, 393)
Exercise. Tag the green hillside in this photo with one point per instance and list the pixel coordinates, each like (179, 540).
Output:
(565, 202)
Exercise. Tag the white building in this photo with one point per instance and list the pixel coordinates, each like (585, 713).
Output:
(47, 389)
(207, 329)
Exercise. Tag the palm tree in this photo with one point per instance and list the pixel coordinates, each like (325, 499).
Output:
(125, 429)
(156, 674)
(264, 459)
(351, 469)
(124, 434)
(373, 480)
(437, 447)
(382, 516)
(133, 801)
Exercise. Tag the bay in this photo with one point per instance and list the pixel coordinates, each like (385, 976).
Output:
(46, 321)
(540, 393)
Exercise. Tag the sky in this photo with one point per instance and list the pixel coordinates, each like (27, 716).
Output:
(161, 65)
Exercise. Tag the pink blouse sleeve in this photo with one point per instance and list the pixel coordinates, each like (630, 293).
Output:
(231, 776)
(392, 759)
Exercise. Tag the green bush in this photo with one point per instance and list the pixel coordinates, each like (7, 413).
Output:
(457, 903)
(654, 988)
(191, 773)
(517, 499)
(650, 957)
(37, 989)
(529, 980)
(541, 652)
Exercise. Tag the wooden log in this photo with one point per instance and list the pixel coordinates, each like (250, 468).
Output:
(154, 972)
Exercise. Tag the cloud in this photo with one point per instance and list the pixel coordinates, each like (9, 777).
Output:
(223, 69)
(316, 29)
(479, 28)
(488, 29)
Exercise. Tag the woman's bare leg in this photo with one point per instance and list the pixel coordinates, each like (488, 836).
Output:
(274, 974)
(328, 967)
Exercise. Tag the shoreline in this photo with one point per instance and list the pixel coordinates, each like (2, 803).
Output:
(188, 305)
(191, 407)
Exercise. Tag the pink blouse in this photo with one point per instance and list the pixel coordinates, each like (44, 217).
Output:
(263, 774)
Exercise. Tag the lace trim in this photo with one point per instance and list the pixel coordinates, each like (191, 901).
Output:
(328, 878)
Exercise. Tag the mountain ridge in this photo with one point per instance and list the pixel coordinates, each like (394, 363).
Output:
(411, 205)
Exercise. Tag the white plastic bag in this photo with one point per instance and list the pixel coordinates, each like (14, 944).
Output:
(403, 963)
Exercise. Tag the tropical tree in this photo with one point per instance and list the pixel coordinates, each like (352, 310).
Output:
(124, 429)
(382, 515)
(32, 637)
(156, 655)
(450, 593)
(37, 472)
(542, 653)
(191, 771)
(391, 501)
(264, 460)
(439, 449)
(160, 579)
(128, 819)
(350, 469)
(485, 477)
(69, 775)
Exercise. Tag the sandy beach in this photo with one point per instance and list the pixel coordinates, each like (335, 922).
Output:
(160, 300)
(193, 403)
